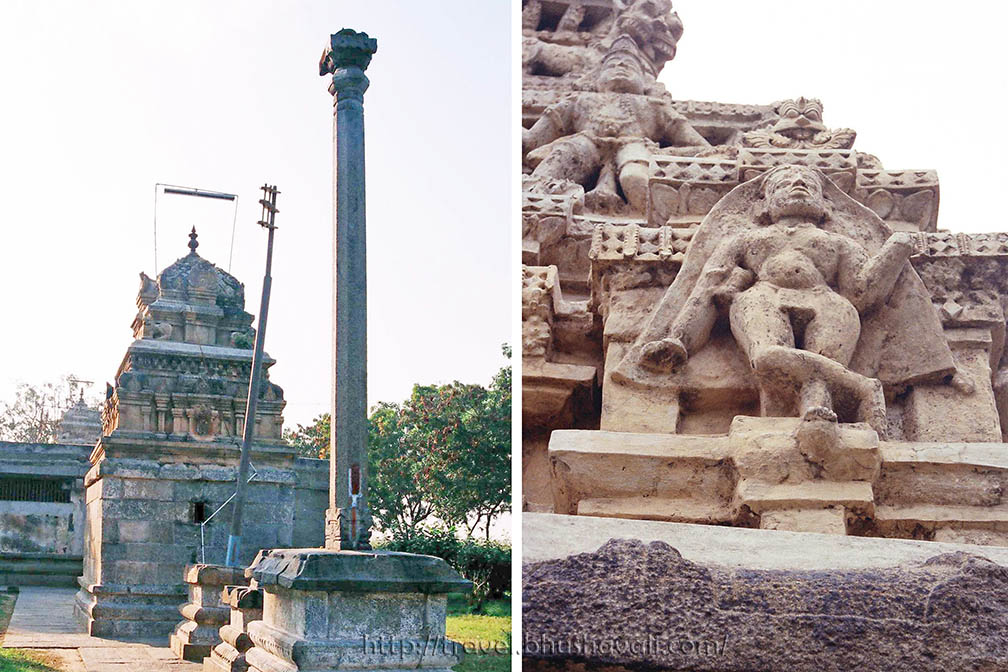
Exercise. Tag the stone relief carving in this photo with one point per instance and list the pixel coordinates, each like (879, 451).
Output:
(800, 127)
(817, 293)
(602, 139)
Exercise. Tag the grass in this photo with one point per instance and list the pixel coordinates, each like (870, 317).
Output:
(17, 660)
(480, 634)
(7, 601)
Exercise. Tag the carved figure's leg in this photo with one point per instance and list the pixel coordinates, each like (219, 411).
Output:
(834, 330)
(531, 13)
(574, 157)
(758, 322)
(761, 327)
(632, 162)
(815, 401)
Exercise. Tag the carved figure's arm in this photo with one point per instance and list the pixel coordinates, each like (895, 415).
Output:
(550, 126)
(868, 281)
(677, 131)
(721, 276)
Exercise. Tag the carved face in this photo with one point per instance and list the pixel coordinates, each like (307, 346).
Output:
(794, 191)
(800, 119)
(621, 73)
(654, 27)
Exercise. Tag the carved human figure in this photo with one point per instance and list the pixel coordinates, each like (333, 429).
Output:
(603, 138)
(797, 285)
(652, 24)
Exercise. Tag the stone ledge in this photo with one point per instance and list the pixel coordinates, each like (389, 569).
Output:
(312, 569)
(993, 517)
(656, 508)
(760, 497)
(549, 536)
(596, 442)
(994, 455)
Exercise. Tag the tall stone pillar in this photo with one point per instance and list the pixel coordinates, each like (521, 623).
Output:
(348, 521)
(346, 607)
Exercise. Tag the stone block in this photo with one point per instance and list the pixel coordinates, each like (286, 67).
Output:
(134, 571)
(205, 613)
(147, 490)
(625, 409)
(938, 412)
(340, 610)
(945, 612)
(832, 520)
(856, 496)
(246, 606)
(659, 508)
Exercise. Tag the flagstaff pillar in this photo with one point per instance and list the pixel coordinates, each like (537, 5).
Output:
(348, 521)
(346, 607)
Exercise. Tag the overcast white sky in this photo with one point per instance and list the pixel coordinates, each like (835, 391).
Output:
(103, 100)
(924, 84)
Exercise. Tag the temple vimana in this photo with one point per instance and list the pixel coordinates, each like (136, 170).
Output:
(732, 316)
(764, 391)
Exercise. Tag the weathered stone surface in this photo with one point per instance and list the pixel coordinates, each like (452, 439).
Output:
(645, 607)
(355, 571)
(325, 609)
(205, 612)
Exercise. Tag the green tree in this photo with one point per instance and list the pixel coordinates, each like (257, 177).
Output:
(311, 440)
(398, 499)
(443, 453)
(464, 432)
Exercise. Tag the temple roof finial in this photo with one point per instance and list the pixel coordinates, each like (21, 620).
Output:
(193, 244)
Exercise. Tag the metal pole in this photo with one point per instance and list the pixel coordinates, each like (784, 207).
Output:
(234, 538)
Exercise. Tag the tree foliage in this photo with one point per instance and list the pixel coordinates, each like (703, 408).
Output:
(444, 453)
(34, 414)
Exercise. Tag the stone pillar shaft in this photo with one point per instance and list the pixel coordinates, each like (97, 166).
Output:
(348, 521)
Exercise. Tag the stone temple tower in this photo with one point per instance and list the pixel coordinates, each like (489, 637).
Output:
(168, 457)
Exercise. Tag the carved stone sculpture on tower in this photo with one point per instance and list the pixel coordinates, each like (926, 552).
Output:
(603, 136)
(817, 293)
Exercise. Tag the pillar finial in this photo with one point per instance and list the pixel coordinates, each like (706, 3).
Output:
(346, 58)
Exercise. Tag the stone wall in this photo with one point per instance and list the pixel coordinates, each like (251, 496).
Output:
(32, 476)
(145, 503)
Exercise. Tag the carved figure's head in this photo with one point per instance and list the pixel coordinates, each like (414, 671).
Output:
(654, 27)
(624, 69)
(800, 119)
(794, 191)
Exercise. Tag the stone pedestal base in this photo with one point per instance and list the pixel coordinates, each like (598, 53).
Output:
(335, 610)
(134, 612)
(229, 655)
(204, 614)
